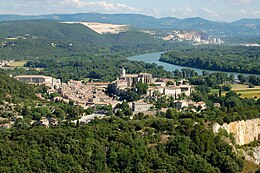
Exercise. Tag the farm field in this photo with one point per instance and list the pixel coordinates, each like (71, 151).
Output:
(18, 63)
(244, 90)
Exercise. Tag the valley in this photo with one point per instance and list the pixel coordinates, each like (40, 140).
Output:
(93, 92)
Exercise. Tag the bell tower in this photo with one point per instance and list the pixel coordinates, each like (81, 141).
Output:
(122, 72)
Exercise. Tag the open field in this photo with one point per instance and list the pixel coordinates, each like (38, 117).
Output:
(18, 63)
(243, 87)
(243, 90)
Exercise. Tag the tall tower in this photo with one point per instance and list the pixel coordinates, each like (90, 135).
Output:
(122, 72)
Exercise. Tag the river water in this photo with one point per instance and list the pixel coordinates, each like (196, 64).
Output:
(154, 58)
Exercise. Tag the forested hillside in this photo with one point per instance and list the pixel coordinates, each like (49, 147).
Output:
(12, 89)
(118, 145)
(43, 38)
(221, 58)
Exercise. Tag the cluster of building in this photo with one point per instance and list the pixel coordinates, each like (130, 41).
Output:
(5, 63)
(5, 123)
(47, 122)
(194, 36)
(6, 44)
(186, 104)
(251, 45)
(210, 40)
(160, 85)
(92, 94)
(175, 89)
(86, 95)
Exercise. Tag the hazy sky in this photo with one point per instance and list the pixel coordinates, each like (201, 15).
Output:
(224, 10)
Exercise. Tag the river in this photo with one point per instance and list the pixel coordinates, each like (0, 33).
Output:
(154, 58)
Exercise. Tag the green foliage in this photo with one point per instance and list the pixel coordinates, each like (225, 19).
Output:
(221, 58)
(117, 145)
(141, 88)
(227, 87)
(124, 109)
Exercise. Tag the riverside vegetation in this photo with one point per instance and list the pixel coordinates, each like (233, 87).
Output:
(239, 59)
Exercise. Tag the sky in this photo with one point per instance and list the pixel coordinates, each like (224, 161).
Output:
(217, 10)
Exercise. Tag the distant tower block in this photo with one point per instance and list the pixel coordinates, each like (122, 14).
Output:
(122, 73)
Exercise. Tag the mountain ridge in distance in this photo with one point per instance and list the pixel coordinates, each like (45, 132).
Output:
(242, 26)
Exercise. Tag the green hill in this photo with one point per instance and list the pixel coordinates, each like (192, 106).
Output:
(45, 29)
(44, 38)
(11, 89)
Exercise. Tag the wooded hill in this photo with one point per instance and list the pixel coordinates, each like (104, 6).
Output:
(39, 38)
(115, 144)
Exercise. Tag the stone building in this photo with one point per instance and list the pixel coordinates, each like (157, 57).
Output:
(140, 106)
(128, 80)
(39, 79)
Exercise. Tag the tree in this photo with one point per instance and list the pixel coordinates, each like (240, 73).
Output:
(205, 73)
(226, 87)
(242, 78)
(141, 88)
(124, 108)
(171, 114)
(231, 78)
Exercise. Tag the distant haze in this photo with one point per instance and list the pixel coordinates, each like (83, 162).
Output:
(217, 10)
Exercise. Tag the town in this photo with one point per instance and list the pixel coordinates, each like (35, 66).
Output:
(96, 94)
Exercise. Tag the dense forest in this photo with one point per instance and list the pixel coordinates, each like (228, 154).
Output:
(221, 58)
(118, 145)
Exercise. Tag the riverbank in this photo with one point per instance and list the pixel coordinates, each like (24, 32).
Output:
(154, 58)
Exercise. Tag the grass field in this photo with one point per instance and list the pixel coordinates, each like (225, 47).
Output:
(18, 63)
(244, 90)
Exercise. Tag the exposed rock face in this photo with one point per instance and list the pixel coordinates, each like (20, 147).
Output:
(252, 154)
(244, 131)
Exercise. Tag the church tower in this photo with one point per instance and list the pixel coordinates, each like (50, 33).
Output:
(122, 72)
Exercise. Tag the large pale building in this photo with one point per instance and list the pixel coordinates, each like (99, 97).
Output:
(38, 79)
(140, 106)
(128, 80)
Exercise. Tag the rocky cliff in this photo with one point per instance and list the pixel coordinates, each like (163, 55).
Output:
(244, 131)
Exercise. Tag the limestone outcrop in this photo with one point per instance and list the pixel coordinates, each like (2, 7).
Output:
(252, 154)
(244, 131)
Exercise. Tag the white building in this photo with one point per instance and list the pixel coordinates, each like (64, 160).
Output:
(140, 106)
